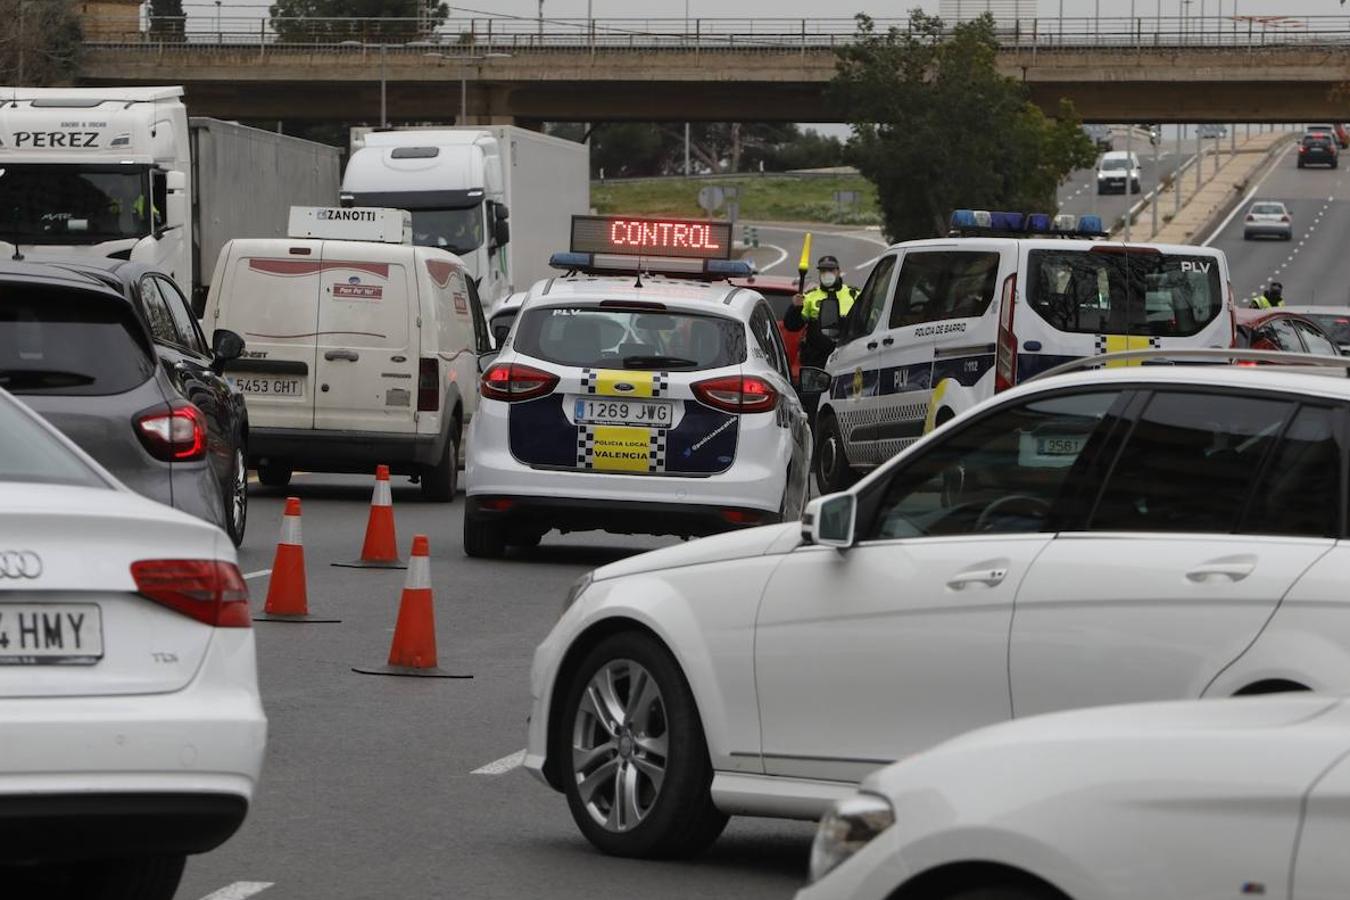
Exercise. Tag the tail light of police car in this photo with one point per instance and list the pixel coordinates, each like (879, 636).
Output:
(737, 394)
(513, 382)
(174, 432)
(208, 590)
(428, 384)
(1005, 358)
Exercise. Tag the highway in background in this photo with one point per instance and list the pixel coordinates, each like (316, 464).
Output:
(1314, 267)
(1078, 196)
(855, 248)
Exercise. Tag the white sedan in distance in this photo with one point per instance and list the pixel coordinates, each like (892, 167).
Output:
(1268, 218)
(1126, 534)
(133, 734)
(1199, 800)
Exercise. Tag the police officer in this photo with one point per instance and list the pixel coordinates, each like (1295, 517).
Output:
(816, 347)
(1272, 297)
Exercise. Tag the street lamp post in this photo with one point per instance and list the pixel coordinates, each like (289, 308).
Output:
(219, 39)
(384, 117)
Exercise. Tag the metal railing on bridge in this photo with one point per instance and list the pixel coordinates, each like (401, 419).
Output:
(519, 35)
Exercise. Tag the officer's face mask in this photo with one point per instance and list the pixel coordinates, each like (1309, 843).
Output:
(829, 279)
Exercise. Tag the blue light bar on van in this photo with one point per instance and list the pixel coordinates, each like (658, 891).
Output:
(1038, 223)
(674, 267)
(1090, 225)
(1012, 224)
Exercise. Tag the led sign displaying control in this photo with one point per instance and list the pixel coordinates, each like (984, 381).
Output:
(687, 238)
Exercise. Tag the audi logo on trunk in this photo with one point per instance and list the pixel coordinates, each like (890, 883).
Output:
(20, 564)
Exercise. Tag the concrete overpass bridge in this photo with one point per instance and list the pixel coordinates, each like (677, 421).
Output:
(1248, 69)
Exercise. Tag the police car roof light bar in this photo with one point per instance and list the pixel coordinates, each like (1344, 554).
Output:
(984, 223)
(671, 267)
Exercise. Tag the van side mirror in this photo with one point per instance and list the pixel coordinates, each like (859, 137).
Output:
(830, 521)
(813, 380)
(176, 181)
(226, 345)
(831, 323)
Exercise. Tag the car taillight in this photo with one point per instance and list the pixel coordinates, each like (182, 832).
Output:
(1302, 148)
(428, 384)
(737, 394)
(1284, 218)
(513, 382)
(1251, 218)
(742, 516)
(1005, 359)
(175, 432)
(207, 590)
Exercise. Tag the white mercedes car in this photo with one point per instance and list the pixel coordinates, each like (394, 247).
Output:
(132, 730)
(1127, 534)
(1200, 800)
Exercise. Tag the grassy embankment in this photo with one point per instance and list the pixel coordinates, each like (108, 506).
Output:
(763, 198)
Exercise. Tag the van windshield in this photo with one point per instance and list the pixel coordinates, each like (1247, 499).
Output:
(1094, 292)
(639, 340)
(457, 230)
(1111, 165)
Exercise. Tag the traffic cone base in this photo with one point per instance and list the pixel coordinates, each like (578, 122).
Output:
(379, 550)
(413, 650)
(287, 597)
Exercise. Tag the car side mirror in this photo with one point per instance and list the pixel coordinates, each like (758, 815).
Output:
(830, 521)
(226, 345)
(813, 380)
(485, 360)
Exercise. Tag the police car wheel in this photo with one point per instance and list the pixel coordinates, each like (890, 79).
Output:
(833, 472)
(439, 481)
(483, 539)
(636, 770)
(274, 475)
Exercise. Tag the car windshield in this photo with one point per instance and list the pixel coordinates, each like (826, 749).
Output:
(31, 454)
(1166, 295)
(58, 341)
(62, 204)
(1338, 326)
(1268, 209)
(1115, 165)
(630, 338)
(456, 230)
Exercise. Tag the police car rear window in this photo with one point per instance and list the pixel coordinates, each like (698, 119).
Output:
(634, 339)
(1156, 294)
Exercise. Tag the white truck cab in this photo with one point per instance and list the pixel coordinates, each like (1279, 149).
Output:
(362, 348)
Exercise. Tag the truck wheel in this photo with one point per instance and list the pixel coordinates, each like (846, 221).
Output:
(274, 475)
(833, 473)
(635, 761)
(439, 481)
(483, 539)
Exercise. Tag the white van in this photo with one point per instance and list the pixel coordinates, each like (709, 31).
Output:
(362, 349)
(1118, 172)
(942, 325)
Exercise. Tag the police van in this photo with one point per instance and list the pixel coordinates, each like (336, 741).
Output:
(362, 348)
(941, 325)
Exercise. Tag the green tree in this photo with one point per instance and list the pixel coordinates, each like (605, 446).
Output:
(41, 43)
(167, 19)
(937, 127)
(304, 21)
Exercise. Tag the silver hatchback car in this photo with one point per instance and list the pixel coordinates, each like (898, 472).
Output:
(1268, 218)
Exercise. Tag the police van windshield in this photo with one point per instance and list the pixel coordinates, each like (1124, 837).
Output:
(640, 340)
(1124, 293)
(66, 204)
(456, 230)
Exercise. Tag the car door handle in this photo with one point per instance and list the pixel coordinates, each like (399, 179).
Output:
(349, 355)
(986, 576)
(871, 345)
(1232, 569)
(886, 342)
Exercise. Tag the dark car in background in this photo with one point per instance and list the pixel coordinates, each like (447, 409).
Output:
(109, 352)
(1318, 148)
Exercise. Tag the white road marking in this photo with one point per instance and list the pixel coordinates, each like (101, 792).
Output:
(503, 765)
(258, 574)
(1242, 204)
(239, 890)
(782, 255)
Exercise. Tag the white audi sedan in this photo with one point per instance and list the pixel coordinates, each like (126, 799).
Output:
(1127, 534)
(131, 732)
(1200, 800)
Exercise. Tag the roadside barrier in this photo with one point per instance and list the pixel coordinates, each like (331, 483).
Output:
(413, 651)
(380, 548)
(287, 598)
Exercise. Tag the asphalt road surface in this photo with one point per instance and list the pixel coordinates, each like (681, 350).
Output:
(1079, 196)
(1314, 266)
(369, 789)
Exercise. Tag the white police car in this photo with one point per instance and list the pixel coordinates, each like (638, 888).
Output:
(652, 403)
(943, 324)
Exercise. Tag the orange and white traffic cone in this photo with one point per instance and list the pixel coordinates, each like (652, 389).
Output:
(413, 651)
(380, 548)
(287, 597)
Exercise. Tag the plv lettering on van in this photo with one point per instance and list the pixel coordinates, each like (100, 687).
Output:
(1190, 266)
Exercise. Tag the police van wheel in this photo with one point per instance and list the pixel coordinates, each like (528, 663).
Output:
(833, 473)
(439, 481)
(274, 475)
(483, 539)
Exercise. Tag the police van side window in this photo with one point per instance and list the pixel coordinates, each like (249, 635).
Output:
(871, 302)
(944, 285)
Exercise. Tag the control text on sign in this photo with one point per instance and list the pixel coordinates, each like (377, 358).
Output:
(656, 237)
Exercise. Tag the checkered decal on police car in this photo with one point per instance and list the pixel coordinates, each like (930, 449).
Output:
(589, 377)
(585, 446)
(1100, 344)
(660, 383)
(656, 449)
(657, 455)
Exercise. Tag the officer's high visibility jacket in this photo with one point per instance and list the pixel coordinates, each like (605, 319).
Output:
(811, 302)
(816, 347)
(1264, 302)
